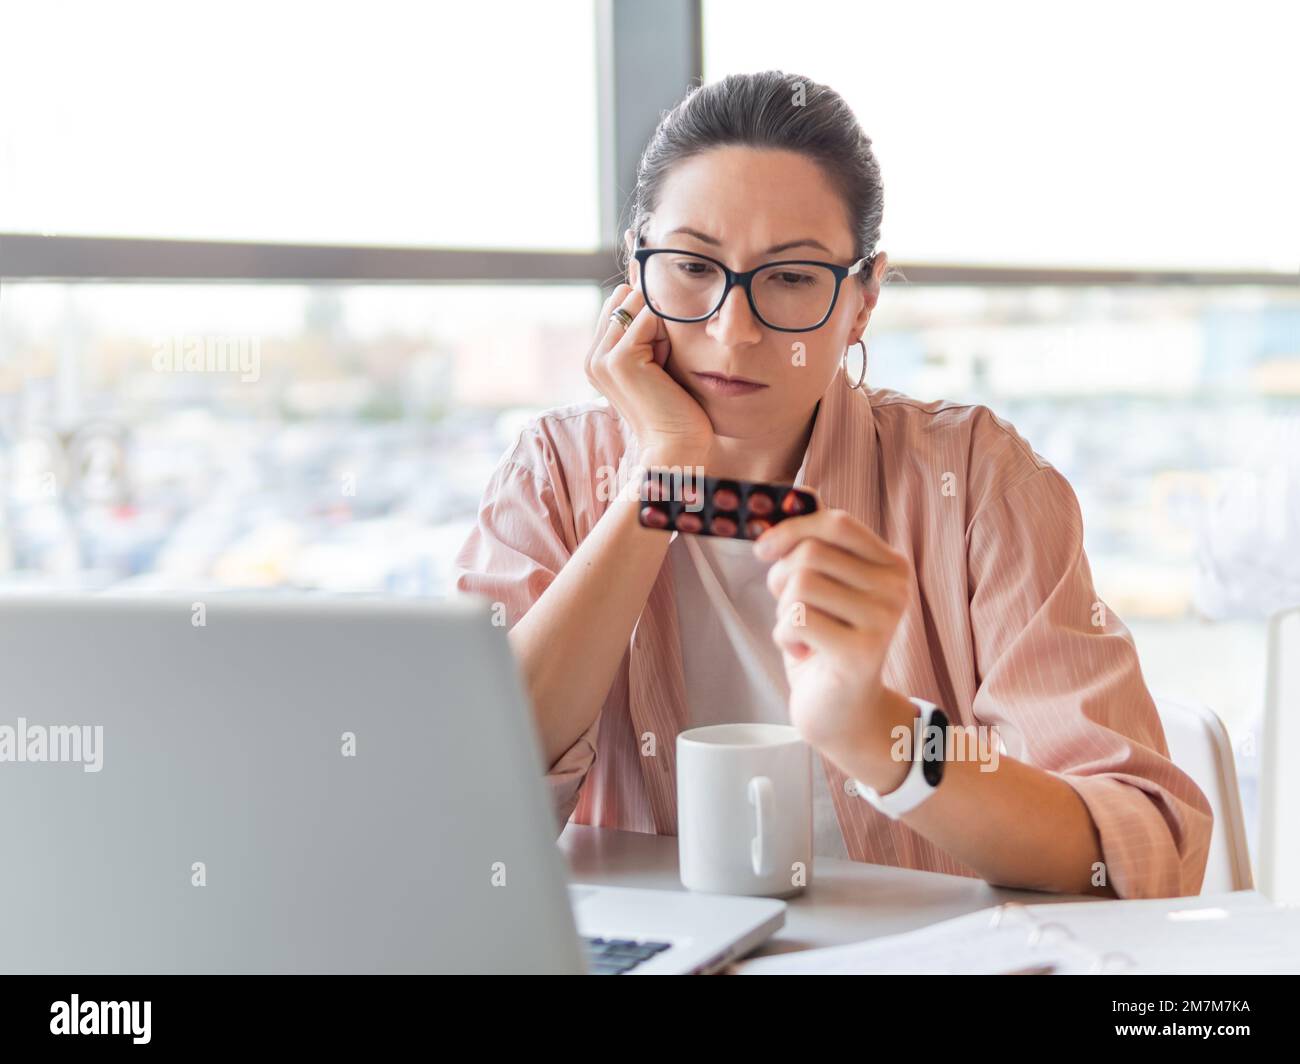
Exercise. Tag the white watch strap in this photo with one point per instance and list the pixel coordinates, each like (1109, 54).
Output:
(914, 789)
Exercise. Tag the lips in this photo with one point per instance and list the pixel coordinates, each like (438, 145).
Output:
(729, 379)
(723, 385)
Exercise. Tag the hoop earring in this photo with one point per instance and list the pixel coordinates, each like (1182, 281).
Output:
(844, 365)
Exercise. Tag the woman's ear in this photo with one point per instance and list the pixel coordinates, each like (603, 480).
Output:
(870, 295)
(871, 290)
(879, 265)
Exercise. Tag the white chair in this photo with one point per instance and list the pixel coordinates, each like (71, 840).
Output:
(1279, 799)
(1199, 745)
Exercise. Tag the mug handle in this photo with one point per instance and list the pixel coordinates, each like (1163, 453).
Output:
(760, 849)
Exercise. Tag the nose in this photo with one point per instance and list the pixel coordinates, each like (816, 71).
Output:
(734, 324)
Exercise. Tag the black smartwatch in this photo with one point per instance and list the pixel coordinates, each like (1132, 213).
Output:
(926, 772)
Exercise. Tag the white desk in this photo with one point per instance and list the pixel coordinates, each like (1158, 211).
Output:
(848, 901)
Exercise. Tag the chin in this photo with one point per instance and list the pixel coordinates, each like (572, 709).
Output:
(728, 421)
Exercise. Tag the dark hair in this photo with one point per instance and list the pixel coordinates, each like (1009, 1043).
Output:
(771, 109)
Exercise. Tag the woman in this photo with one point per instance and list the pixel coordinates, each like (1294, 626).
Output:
(945, 565)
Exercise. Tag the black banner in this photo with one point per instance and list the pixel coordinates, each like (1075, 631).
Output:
(205, 1012)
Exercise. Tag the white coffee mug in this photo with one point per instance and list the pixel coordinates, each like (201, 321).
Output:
(744, 809)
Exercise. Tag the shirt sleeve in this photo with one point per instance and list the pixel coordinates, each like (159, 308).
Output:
(1059, 674)
(518, 545)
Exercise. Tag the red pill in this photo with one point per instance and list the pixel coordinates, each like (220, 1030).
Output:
(792, 504)
(760, 503)
(723, 526)
(689, 522)
(725, 499)
(756, 526)
(653, 517)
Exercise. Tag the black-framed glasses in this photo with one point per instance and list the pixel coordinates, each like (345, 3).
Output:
(793, 295)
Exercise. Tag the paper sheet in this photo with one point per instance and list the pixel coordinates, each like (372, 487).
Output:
(966, 945)
(1212, 934)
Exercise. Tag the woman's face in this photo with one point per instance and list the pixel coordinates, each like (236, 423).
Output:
(737, 205)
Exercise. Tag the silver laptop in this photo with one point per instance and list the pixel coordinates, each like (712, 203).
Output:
(299, 785)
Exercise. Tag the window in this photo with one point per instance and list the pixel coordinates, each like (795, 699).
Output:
(1105, 135)
(327, 437)
(384, 123)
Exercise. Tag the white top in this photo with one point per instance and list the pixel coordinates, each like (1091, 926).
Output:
(734, 672)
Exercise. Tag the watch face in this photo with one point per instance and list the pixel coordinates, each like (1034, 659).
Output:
(932, 770)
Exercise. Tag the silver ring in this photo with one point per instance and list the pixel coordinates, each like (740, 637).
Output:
(621, 317)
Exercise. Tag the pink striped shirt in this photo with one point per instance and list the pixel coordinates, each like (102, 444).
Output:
(1004, 625)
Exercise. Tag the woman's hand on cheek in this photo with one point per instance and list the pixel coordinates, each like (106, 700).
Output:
(627, 367)
(841, 591)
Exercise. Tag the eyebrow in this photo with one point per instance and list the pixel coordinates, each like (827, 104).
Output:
(775, 249)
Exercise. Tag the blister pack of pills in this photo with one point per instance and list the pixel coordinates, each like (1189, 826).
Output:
(717, 506)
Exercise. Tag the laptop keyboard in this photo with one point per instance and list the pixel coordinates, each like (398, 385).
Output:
(614, 956)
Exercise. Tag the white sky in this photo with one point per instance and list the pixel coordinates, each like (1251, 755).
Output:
(1100, 134)
(377, 122)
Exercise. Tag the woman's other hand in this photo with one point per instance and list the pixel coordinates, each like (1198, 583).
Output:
(841, 591)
